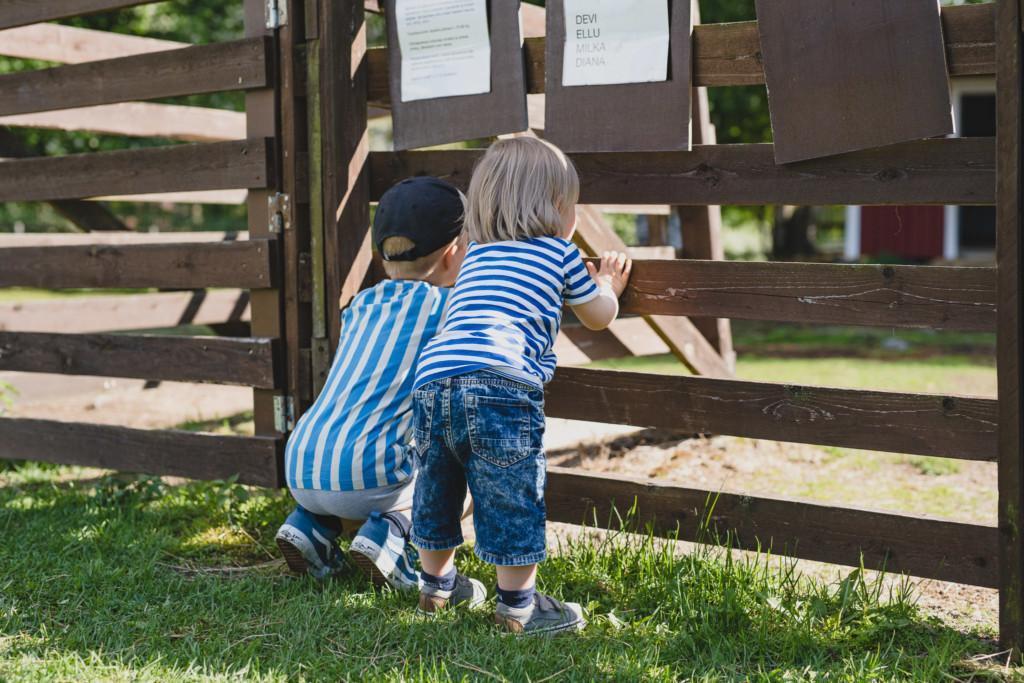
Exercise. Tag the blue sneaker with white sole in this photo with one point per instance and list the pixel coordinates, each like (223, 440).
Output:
(308, 546)
(384, 555)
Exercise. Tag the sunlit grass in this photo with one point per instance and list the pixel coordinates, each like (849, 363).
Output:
(129, 578)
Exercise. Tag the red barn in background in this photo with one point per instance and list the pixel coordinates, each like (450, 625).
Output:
(913, 232)
(929, 233)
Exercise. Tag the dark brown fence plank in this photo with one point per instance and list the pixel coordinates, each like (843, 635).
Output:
(1010, 345)
(938, 549)
(248, 362)
(945, 171)
(929, 297)
(248, 265)
(730, 54)
(237, 65)
(184, 454)
(22, 12)
(109, 313)
(178, 168)
(948, 426)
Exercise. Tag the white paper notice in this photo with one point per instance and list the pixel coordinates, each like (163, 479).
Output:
(446, 50)
(615, 41)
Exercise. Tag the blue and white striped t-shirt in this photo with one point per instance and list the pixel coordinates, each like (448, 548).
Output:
(506, 309)
(357, 432)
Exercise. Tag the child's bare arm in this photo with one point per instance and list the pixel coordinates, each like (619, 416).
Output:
(611, 278)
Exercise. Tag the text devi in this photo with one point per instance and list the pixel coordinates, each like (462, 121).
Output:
(589, 32)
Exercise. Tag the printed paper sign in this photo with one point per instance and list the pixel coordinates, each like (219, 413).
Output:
(615, 41)
(446, 49)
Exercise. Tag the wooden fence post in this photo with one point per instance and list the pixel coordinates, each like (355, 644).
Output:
(1010, 204)
(267, 317)
(345, 148)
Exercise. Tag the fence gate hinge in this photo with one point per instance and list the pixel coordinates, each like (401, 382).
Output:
(284, 413)
(276, 13)
(278, 205)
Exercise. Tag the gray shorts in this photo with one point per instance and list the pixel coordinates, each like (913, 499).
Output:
(357, 505)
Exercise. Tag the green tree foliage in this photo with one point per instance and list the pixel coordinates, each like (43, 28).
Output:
(186, 21)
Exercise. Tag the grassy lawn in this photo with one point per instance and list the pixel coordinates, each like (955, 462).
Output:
(121, 578)
(852, 357)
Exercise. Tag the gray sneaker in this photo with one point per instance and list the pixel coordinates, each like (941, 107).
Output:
(467, 591)
(546, 615)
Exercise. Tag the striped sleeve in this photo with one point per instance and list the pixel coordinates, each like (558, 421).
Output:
(579, 286)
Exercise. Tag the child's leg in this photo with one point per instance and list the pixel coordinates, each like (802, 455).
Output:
(438, 503)
(437, 562)
(506, 473)
(517, 578)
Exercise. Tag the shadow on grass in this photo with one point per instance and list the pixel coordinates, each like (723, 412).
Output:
(116, 582)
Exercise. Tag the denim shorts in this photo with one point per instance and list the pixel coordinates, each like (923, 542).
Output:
(483, 431)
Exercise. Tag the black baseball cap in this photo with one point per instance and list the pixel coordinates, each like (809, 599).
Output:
(426, 210)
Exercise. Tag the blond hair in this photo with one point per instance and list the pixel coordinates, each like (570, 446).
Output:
(407, 270)
(519, 190)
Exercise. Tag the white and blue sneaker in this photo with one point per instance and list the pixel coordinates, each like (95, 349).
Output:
(385, 556)
(308, 546)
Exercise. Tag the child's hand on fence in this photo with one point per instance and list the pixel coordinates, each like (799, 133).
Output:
(614, 271)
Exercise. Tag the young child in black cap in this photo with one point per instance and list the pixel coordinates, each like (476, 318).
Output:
(350, 457)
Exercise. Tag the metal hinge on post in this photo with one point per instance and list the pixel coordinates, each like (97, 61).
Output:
(284, 413)
(278, 205)
(276, 13)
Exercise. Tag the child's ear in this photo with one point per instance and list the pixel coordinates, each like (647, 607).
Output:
(451, 253)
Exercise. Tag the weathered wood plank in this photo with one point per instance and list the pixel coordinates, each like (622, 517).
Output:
(88, 216)
(73, 45)
(236, 197)
(125, 311)
(178, 168)
(701, 226)
(254, 460)
(626, 336)
(932, 548)
(1010, 338)
(238, 65)
(141, 119)
(217, 360)
(945, 171)
(22, 12)
(930, 297)
(67, 239)
(262, 113)
(948, 426)
(248, 265)
(730, 54)
(595, 236)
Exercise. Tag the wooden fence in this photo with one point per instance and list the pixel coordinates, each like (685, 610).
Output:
(310, 84)
(40, 337)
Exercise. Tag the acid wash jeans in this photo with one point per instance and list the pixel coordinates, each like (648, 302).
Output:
(485, 431)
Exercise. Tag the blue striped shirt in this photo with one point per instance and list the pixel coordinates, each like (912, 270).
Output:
(506, 309)
(357, 432)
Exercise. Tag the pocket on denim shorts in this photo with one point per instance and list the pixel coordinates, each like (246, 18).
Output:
(499, 428)
(423, 418)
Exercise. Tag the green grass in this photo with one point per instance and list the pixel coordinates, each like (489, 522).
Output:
(127, 578)
(752, 336)
(966, 375)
